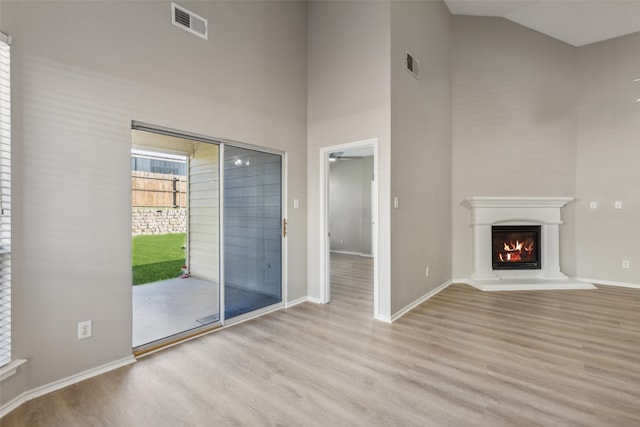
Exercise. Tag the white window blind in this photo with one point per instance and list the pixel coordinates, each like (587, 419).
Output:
(5, 202)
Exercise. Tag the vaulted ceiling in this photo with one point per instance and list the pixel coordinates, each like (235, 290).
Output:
(577, 22)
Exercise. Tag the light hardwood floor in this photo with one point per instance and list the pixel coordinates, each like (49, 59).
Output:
(463, 358)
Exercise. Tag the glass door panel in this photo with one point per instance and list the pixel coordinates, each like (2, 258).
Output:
(252, 230)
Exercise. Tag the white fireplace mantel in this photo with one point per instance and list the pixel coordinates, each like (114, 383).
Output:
(543, 211)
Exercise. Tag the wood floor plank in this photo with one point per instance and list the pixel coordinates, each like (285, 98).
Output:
(462, 358)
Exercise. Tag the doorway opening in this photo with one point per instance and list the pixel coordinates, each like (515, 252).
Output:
(175, 263)
(349, 226)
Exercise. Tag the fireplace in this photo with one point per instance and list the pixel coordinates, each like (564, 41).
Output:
(515, 247)
(525, 231)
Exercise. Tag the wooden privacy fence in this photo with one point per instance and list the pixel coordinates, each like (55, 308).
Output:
(150, 189)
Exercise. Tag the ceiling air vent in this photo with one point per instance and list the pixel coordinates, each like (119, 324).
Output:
(413, 66)
(189, 21)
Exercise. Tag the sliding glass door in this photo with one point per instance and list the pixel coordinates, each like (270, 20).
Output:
(252, 230)
(206, 234)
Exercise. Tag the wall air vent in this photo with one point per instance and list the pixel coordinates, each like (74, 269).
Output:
(413, 66)
(189, 21)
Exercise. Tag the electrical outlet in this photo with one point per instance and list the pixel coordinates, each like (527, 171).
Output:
(341, 242)
(426, 271)
(626, 263)
(84, 329)
(617, 205)
(593, 205)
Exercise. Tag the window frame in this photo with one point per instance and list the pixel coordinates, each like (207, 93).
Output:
(5, 203)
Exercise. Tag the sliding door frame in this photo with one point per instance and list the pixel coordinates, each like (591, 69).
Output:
(221, 143)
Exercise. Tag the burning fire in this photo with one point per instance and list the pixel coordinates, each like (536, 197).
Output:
(518, 251)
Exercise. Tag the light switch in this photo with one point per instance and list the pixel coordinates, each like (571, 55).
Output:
(296, 203)
(593, 205)
(395, 202)
(617, 205)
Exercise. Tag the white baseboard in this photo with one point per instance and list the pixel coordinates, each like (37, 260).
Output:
(384, 318)
(419, 301)
(296, 302)
(609, 283)
(352, 253)
(315, 300)
(57, 385)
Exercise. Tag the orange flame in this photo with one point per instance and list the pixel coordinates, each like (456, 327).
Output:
(513, 251)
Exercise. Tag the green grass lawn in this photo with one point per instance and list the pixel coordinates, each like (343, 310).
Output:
(158, 257)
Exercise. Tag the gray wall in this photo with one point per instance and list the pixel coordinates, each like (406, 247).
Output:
(82, 71)
(514, 124)
(608, 160)
(359, 89)
(420, 150)
(533, 116)
(348, 100)
(350, 205)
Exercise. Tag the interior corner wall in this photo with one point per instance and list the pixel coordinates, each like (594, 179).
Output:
(350, 205)
(348, 101)
(514, 124)
(608, 161)
(420, 150)
(82, 71)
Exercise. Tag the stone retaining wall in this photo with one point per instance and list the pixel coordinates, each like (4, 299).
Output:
(158, 221)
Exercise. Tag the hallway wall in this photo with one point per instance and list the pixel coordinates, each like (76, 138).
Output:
(350, 205)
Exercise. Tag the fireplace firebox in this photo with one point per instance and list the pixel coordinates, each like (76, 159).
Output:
(516, 247)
